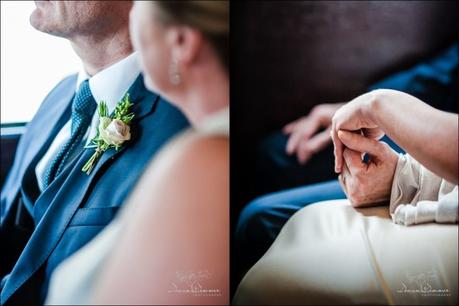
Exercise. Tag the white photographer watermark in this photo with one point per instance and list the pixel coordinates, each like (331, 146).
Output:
(424, 283)
(194, 283)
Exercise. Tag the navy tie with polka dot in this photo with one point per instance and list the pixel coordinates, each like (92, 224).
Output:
(83, 107)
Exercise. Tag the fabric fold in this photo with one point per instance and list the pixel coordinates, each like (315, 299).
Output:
(420, 196)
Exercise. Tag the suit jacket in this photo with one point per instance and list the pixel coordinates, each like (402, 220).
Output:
(41, 229)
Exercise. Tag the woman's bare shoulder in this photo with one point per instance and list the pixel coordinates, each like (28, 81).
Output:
(192, 169)
(190, 151)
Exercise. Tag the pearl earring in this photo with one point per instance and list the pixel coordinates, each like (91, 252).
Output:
(174, 73)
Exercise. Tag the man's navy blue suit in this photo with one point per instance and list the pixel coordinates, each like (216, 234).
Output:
(40, 230)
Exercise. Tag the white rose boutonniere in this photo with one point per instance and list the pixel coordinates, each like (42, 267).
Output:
(112, 132)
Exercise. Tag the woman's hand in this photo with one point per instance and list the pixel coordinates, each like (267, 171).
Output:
(366, 183)
(354, 116)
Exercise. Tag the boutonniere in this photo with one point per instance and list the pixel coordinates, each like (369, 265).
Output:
(112, 132)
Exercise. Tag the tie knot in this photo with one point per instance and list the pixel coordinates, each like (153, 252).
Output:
(84, 103)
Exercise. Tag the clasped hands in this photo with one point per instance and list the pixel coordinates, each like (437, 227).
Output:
(355, 131)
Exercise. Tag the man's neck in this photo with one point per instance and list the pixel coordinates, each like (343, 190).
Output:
(97, 53)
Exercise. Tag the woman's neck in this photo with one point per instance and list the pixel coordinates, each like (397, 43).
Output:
(208, 94)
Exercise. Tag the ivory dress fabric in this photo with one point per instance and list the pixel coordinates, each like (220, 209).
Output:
(332, 253)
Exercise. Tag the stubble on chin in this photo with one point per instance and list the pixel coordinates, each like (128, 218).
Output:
(46, 24)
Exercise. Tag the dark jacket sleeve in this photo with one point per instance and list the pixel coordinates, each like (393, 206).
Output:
(434, 81)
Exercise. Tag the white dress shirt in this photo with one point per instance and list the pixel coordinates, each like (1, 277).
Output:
(109, 85)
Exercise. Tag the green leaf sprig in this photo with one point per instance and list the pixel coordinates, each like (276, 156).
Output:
(122, 112)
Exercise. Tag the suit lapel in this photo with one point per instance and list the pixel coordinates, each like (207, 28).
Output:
(64, 200)
(140, 109)
(40, 133)
(48, 127)
(59, 202)
(29, 186)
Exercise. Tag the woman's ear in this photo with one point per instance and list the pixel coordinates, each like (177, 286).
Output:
(185, 44)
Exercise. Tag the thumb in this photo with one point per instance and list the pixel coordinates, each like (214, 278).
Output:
(360, 143)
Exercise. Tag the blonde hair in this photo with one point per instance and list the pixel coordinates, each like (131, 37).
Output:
(209, 17)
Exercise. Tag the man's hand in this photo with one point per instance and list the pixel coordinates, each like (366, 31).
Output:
(366, 183)
(354, 116)
(303, 140)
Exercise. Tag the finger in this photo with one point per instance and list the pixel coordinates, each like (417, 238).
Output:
(342, 183)
(344, 179)
(302, 132)
(288, 128)
(346, 172)
(319, 141)
(352, 161)
(337, 151)
(303, 153)
(293, 142)
(359, 143)
(311, 125)
(307, 148)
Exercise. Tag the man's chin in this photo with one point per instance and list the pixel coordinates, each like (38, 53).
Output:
(36, 19)
(40, 22)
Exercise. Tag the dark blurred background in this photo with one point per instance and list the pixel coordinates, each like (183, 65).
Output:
(287, 57)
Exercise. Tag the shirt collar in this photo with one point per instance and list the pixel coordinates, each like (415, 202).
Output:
(112, 83)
